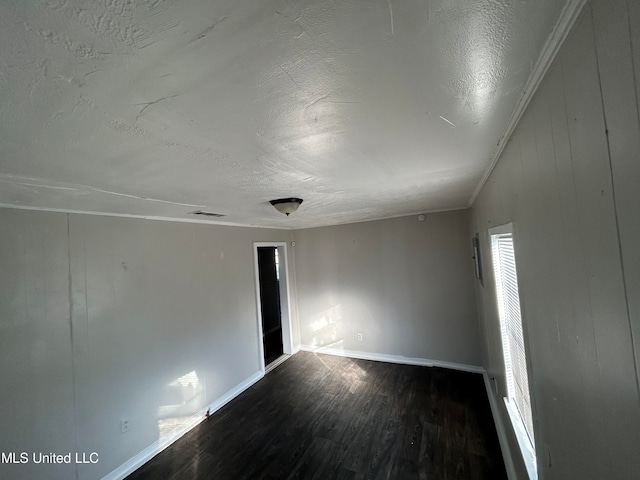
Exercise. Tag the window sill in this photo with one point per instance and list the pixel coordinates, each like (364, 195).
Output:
(526, 448)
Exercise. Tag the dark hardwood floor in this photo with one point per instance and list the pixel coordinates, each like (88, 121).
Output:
(326, 417)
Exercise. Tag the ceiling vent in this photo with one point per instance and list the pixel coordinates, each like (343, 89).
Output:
(207, 214)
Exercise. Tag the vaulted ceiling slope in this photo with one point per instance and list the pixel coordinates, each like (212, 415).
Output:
(157, 108)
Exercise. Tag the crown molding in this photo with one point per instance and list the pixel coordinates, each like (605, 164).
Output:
(551, 48)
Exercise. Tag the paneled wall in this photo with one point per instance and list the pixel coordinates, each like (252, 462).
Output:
(568, 180)
(105, 318)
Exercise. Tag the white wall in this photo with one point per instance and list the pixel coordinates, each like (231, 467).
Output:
(36, 373)
(100, 315)
(571, 191)
(406, 285)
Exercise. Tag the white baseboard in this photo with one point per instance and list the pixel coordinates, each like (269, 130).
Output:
(152, 450)
(277, 362)
(500, 429)
(383, 357)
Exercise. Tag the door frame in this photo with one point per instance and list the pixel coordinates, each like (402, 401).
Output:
(285, 299)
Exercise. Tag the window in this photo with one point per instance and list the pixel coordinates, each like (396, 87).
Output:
(518, 399)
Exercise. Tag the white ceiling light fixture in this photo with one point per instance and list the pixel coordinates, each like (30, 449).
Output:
(286, 205)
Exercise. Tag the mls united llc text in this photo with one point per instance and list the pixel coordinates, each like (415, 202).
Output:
(39, 457)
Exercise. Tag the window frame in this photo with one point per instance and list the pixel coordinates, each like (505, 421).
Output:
(526, 441)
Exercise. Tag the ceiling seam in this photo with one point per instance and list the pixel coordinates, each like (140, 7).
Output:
(141, 217)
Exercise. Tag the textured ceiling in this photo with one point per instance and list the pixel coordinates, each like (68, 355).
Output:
(365, 109)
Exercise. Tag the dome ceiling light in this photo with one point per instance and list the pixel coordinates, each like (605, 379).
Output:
(286, 205)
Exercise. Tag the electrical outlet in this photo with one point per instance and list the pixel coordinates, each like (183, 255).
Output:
(124, 425)
(359, 337)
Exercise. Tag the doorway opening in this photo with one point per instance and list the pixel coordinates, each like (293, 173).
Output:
(272, 288)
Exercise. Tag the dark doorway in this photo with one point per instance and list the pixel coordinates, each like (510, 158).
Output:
(269, 278)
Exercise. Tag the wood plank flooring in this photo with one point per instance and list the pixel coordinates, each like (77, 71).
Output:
(326, 417)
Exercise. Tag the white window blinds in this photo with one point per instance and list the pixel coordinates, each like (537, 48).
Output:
(504, 265)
